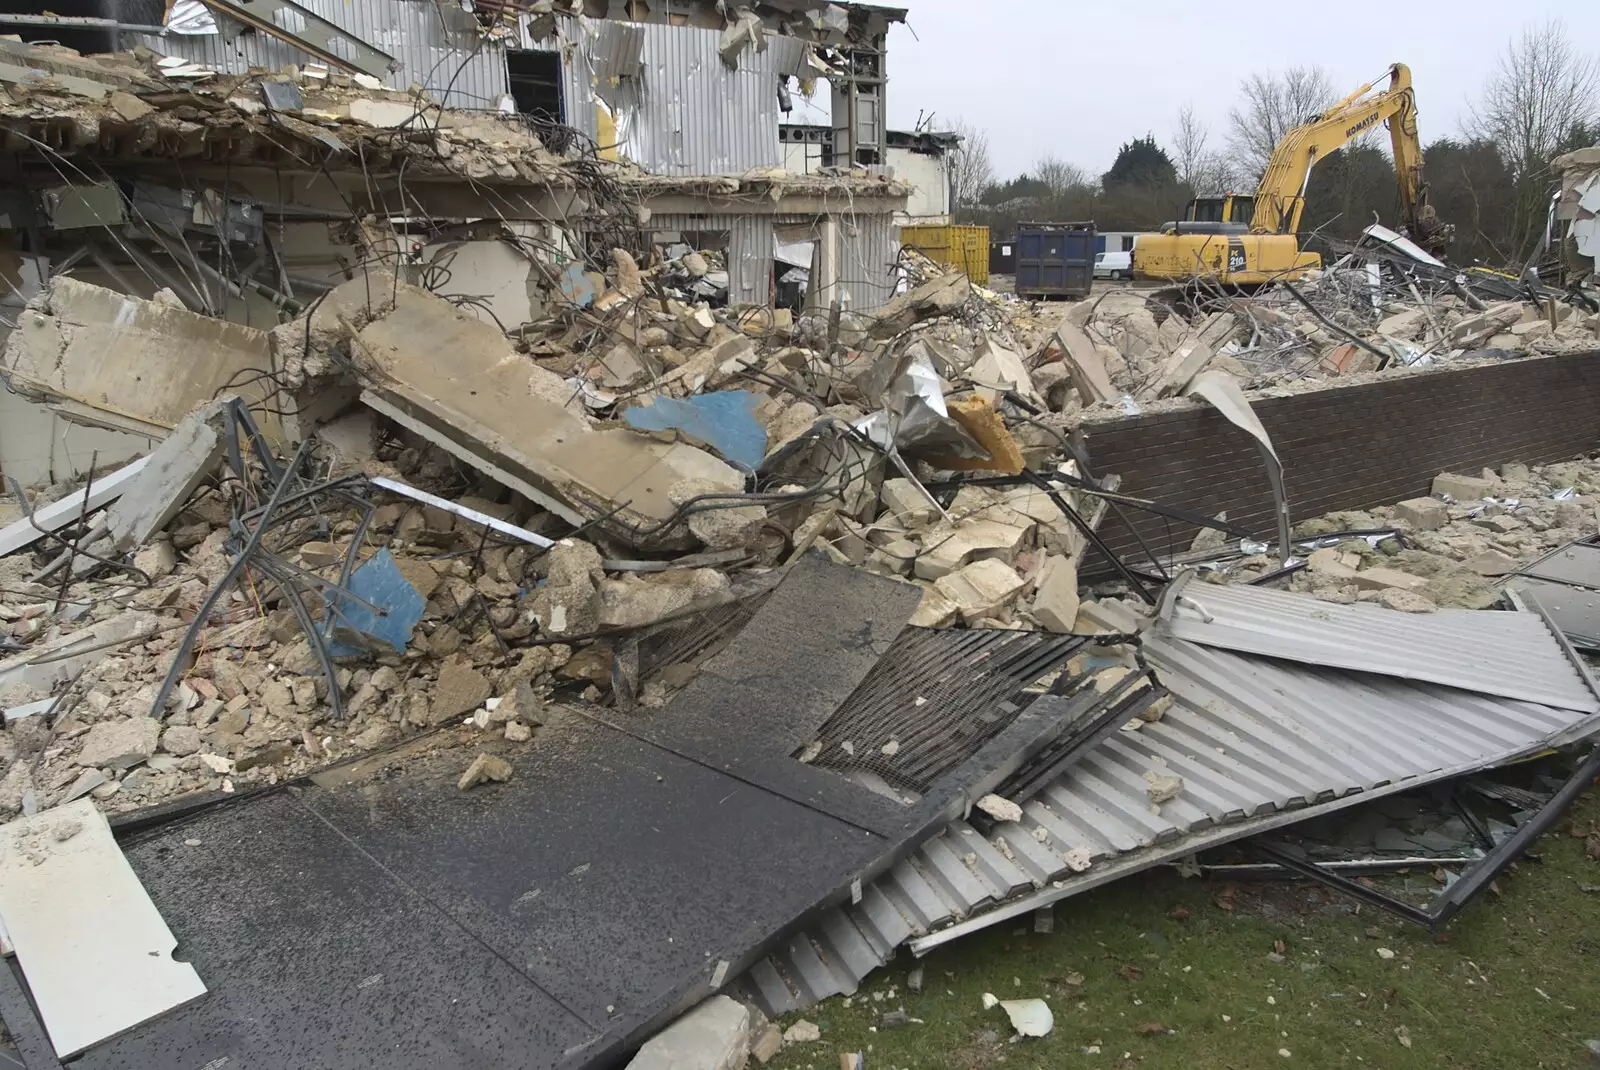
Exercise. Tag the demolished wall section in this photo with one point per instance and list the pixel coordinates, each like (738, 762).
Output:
(1344, 448)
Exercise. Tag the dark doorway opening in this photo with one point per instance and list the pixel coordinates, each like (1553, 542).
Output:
(536, 84)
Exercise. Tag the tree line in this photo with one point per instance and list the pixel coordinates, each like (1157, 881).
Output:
(1492, 180)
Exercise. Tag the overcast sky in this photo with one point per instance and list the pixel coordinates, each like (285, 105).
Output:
(1077, 78)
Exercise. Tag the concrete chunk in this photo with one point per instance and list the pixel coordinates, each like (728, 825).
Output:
(1423, 514)
(1089, 376)
(970, 540)
(939, 296)
(1489, 563)
(484, 768)
(981, 589)
(713, 1036)
(1380, 579)
(934, 611)
(903, 501)
(185, 457)
(1328, 562)
(1055, 605)
(1462, 488)
(460, 689)
(120, 744)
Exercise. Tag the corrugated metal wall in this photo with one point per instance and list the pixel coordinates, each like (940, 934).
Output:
(437, 46)
(869, 246)
(750, 249)
(688, 114)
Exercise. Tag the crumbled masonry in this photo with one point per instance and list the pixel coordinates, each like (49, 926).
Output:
(507, 476)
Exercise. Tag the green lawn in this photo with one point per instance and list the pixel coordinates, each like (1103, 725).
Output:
(1158, 971)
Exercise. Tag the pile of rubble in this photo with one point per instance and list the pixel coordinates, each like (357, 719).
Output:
(619, 464)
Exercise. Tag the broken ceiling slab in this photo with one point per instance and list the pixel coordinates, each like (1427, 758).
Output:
(1514, 655)
(173, 473)
(1259, 743)
(58, 514)
(105, 359)
(95, 951)
(458, 382)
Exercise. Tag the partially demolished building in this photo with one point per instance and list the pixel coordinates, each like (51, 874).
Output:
(442, 553)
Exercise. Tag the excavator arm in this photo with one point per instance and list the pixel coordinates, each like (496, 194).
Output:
(1280, 198)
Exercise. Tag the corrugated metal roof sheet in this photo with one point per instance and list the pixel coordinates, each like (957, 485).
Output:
(1258, 742)
(1515, 655)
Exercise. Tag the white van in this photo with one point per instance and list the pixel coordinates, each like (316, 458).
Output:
(1113, 265)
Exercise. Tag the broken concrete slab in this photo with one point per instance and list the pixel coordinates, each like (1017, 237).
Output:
(934, 611)
(45, 667)
(60, 513)
(949, 549)
(1462, 488)
(1083, 361)
(459, 383)
(105, 359)
(77, 915)
(1490, 563)
(1422, 514)
(637, 601)
(939, 296)
(175, 470)
(1055, 605)
(1330, 563)
(1379, 579)
(981, 589)
(120, 744)
(713, 1036)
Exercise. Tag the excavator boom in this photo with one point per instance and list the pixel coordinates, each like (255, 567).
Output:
(1280, 198)
(1269, 250)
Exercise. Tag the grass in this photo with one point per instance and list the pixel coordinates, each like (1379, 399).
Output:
(1161, 972)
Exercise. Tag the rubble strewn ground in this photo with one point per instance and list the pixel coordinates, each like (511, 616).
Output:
(508, 625)
(394, 523)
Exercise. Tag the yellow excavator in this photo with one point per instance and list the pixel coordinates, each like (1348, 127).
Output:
(1250, 241)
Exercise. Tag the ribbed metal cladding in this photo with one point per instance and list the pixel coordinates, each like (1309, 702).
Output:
(1514, 655)
(689, 114)
(1258, 742)
(436, 46)
(869, 247)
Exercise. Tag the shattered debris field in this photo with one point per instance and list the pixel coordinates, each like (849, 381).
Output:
(1514, 984)
(472, 597)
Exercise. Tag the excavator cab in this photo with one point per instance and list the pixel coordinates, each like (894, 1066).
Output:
(1228, 208)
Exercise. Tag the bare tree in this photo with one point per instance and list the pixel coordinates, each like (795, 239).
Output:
(1061, 177)
(1541, 89)
(1203, 170)
(1189, 145)
(1542, 93)
(1272, 105)
(971, 171)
